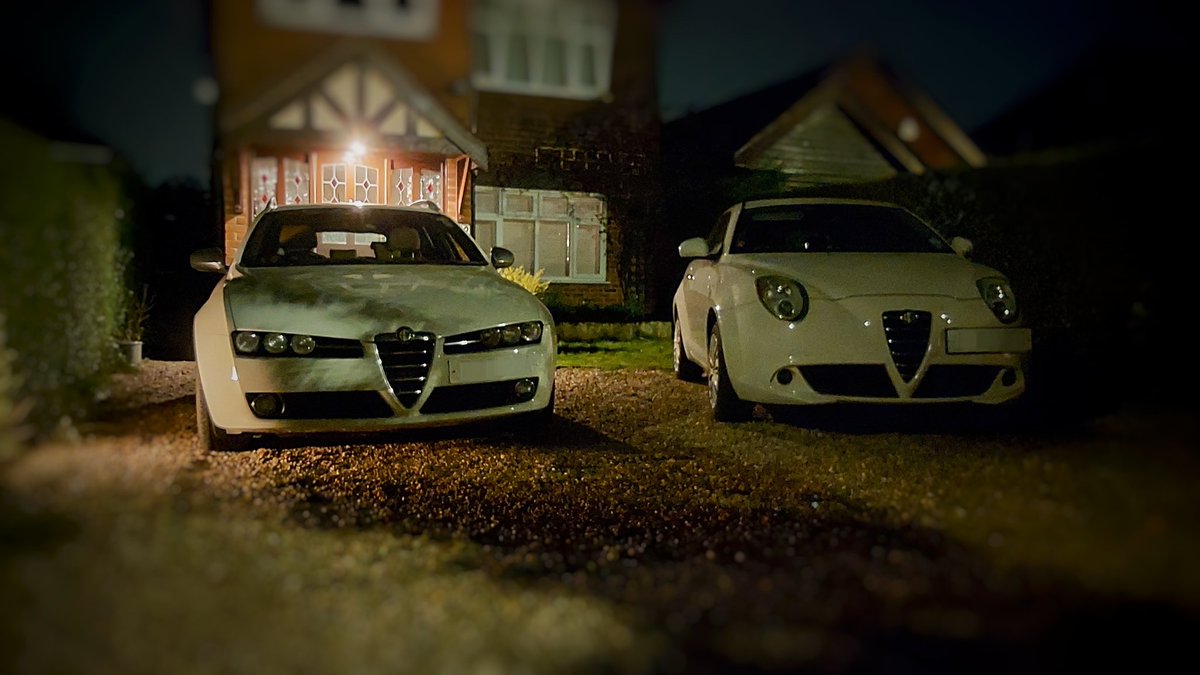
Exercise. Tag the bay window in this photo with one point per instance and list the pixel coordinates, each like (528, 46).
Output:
(560, 233)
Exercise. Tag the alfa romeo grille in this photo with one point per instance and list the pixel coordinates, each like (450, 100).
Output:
(907, 333)
(406, 364)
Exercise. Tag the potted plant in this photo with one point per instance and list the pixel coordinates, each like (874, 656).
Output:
(135, 311)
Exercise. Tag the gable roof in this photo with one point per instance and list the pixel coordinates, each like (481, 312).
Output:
(869, 95)
(352, 87)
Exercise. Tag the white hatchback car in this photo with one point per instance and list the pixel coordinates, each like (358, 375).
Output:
(810, 301)
(344, 318)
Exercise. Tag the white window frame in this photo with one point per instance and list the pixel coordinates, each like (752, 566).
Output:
(574, 223)
(411, 20)
(576, 23)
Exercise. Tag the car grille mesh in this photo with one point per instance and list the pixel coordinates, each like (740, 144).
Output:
(956, 381)
(865, 380)
(907, 333)
(463, 397)
(406, 364)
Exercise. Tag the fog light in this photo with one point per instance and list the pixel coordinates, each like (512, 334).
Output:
(783, 376)
(525, 389)
(266, 405)
(1008, 377)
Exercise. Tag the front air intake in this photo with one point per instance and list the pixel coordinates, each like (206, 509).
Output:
(406, 363)
(907, 333)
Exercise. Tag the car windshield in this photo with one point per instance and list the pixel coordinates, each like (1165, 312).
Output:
(357, 236)
(833, 228)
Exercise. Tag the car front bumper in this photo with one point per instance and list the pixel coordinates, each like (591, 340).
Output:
(840, 353)
(354, 395)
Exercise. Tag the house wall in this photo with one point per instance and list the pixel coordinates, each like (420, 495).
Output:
(235, 168)
(608, 146)
(249, 55)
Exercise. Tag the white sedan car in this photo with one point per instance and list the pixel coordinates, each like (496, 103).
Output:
(813, 301)
(343, 318)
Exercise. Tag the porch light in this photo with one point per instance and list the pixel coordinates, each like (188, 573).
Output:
(355, 150)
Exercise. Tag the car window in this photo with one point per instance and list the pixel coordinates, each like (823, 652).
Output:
(359, 236)
(833, 228)
(716, 238)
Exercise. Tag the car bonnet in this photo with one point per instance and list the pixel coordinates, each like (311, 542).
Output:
(360, 301)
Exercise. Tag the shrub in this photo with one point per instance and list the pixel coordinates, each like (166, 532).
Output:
(57, 263)
(12, 408)
(523, 278)
(135, 311)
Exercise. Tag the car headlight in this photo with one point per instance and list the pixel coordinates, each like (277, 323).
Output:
(275, 343)
(246, 342)
(303, 344)
(259, 344)
(498, 337)
(999, 297)
(784, 298)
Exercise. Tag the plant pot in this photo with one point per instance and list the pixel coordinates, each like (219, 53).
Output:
(131, 350)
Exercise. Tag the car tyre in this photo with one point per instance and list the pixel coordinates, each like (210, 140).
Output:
(210, 437)
(724, 401)
(684, 368)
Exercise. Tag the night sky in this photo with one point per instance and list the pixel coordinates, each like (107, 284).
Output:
(129, 73)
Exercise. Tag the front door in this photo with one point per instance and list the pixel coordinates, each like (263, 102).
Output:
(349, 179)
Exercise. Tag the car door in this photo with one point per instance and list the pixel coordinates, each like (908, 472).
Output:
(698, 283)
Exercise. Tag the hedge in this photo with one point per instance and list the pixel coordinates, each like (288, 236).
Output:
(58, 266)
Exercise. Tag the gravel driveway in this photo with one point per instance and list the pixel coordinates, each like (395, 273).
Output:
(633, 535)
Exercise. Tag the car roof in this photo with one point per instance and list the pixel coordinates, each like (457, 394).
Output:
(792, 201)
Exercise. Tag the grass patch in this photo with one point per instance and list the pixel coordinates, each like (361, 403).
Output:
(640, 354)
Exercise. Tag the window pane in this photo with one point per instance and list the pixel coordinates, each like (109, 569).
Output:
(518, 202)
(588, 66)
(485, 235)
(431, 186)
(366, 184)
(518, 59)
(333, 183)
(483, 54)
(518, 238)
(587, 250)
(401, 192)
(554, 69)
(589, 209)
(296, 181)
(263, 177)
(487, 200)
(552, 248)
(554, 206)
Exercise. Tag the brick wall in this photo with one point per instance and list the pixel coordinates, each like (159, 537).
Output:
(609, 146)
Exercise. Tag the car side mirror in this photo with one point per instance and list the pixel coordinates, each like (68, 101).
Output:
(501, 257)
(695, 247)
(209, 260)
(962, 246)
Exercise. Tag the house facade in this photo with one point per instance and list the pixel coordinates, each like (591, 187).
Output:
(531, 123)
